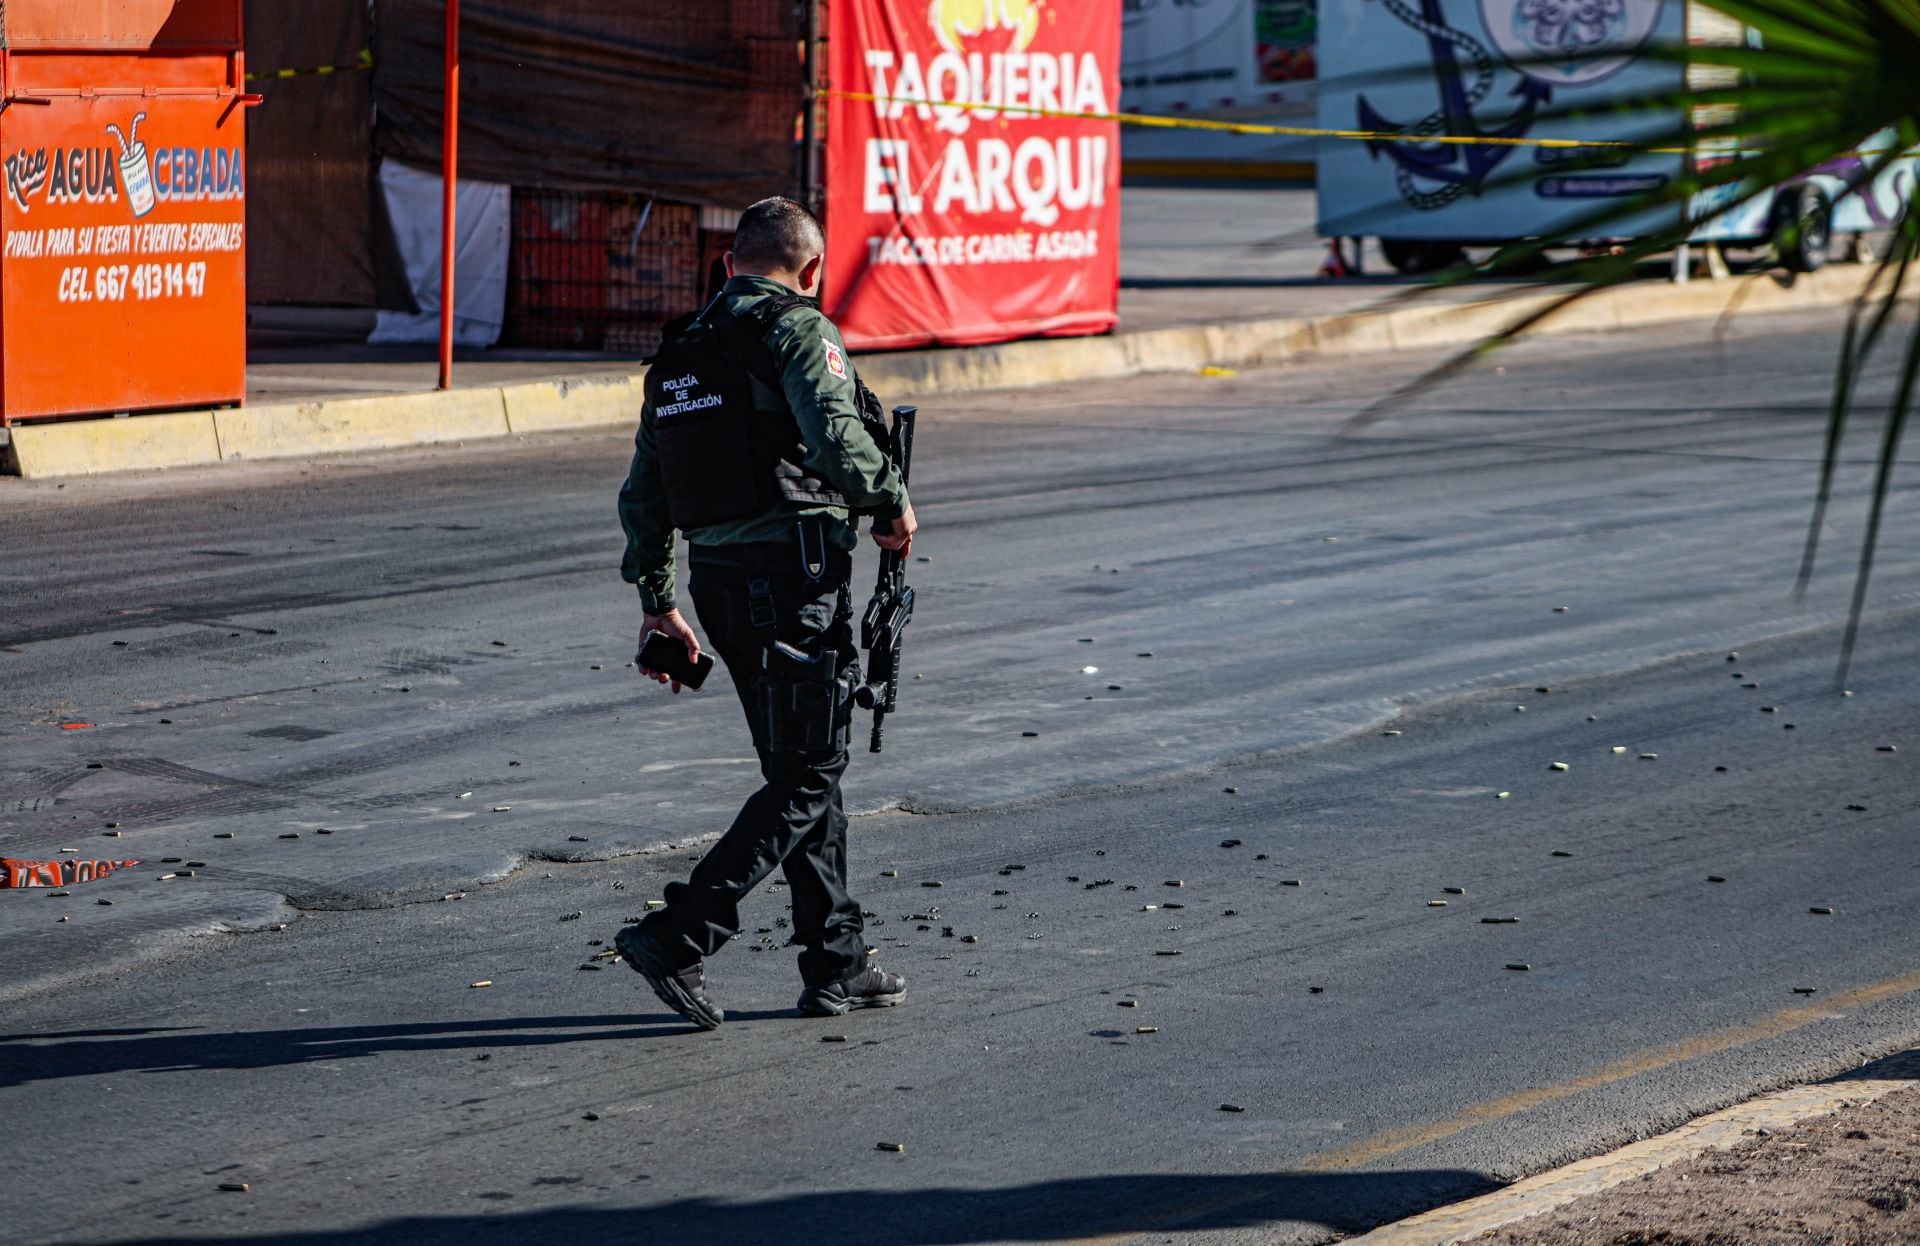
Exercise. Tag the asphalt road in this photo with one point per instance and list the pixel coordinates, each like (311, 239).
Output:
(312, 648)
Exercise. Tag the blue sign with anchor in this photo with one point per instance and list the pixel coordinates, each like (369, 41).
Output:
(1409, 72)
(1454, 169)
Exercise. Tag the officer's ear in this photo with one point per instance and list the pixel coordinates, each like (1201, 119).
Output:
(810, 274)
(727, 259)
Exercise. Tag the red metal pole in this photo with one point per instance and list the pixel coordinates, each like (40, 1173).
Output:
(450, 172)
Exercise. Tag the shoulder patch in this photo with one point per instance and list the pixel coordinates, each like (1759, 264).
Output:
(836, 359)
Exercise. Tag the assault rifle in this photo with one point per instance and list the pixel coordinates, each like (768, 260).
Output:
(883, 630)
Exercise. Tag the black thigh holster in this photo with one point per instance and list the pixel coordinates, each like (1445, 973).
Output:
(805, 703)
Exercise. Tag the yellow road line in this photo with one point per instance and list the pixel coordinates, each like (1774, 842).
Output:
(1460, 1222)
(1784, 1022)
(1394, 1141)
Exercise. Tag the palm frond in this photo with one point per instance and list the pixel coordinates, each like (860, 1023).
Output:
(1826, 75)
(1856, 348)
(1791, 25)
(1882, 484)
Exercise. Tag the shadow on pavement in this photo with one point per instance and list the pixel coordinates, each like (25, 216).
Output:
(1901, 1065)
(1047, 1211)
(26, 1058)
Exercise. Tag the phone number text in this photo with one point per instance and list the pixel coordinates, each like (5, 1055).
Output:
(115, 283)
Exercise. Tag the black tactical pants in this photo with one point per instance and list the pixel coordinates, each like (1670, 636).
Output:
(747, 597)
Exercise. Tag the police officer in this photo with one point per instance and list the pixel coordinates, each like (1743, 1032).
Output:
(752, 442)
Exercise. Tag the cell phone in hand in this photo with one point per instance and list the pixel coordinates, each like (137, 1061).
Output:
(663, 653)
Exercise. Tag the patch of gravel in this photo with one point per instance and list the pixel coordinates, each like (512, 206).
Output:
(1852, 1178)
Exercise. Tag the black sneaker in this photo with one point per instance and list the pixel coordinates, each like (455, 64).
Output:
(683, 989)
(872, 987)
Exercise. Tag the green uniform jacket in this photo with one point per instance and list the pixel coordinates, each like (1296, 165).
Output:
(816, 385)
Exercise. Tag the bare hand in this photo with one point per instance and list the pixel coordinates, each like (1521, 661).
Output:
(675, 628)
(900, 539)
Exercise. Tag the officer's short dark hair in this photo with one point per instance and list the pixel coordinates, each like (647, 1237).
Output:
(777, 235)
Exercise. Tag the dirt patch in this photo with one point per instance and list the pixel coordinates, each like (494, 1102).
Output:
(1853, 1178)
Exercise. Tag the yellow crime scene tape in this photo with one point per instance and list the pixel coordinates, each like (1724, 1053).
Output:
(1247, 127)
(1151, 121)
(362, 65)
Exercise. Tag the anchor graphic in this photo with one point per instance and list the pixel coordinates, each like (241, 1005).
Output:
(1459, 168)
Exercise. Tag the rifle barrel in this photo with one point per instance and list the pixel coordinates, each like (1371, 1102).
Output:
(884, 622)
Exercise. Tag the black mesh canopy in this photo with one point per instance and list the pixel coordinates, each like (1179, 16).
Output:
(692, 102)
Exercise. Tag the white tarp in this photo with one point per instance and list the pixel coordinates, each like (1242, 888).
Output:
(483, 214)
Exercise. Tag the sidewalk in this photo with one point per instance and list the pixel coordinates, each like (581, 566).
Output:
(1209, 277)
(1834, 1161)
(1190, 256)
(1850, 1177)
(318, 373)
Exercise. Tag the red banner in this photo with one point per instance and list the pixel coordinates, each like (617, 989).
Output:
(961, 207)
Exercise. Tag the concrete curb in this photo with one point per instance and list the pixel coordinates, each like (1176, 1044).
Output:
(335, 426)
(348, 424)
(1446, 1226)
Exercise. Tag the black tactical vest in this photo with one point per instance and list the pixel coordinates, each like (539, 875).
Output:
(723, 459)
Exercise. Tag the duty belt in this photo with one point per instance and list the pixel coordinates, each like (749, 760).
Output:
(809, 554)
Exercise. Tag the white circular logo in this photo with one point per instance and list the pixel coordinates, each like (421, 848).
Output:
(1602, 34)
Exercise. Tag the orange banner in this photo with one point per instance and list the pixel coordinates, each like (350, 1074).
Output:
(123, 277)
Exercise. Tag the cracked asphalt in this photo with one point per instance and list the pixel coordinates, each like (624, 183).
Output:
(415, 664)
